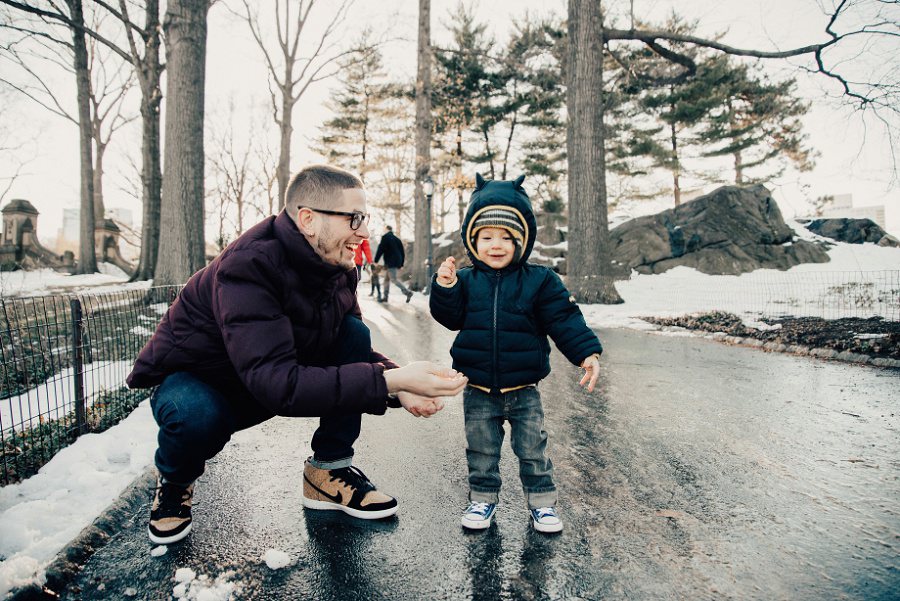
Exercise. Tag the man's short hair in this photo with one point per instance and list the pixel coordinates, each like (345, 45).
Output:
(318, 186)
(389, 228)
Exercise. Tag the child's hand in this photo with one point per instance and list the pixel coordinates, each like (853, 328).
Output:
(446, 273)
(591, 367)
(419, 406)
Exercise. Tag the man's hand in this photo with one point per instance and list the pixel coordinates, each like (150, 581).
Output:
(446, 273)
(419, 406)
(424, 378)
(591, 367)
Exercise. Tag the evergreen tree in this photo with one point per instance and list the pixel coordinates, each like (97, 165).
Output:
(345, 139)
(757, 122)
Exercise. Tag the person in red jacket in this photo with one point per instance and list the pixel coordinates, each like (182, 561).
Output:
(272, 327)
(362, 256)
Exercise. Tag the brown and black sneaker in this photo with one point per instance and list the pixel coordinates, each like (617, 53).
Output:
(346, 489)
(170, 512)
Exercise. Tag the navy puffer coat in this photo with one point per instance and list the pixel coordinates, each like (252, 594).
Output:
(504, 317)
(256, 320)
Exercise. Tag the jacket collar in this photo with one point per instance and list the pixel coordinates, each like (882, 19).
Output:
(300, 254)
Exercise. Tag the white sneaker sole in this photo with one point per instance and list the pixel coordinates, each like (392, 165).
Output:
(363, 515)
(168, 540)
(547, 527)
(476, 524)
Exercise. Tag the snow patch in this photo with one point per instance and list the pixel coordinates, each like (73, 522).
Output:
(276, 559)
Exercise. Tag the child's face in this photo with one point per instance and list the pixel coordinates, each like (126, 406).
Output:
(495, 247)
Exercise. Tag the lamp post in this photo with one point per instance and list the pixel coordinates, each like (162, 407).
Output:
(428, 189)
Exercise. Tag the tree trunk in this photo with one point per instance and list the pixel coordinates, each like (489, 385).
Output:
(87, 261)
(676, 169)
(738, 169)
(589, 273)
(422, 234)
(99, 208)
(149, 73)
(283, 171)
(181, 244)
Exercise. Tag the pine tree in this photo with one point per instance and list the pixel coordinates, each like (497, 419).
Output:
(757, 122)
(345, 139)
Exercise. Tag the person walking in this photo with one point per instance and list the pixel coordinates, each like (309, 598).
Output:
(504, 308)
(362, 256)
(269, 327)
(391, 248)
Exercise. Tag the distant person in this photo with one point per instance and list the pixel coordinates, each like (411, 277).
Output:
(362, 256)
(375, 271)
(272, 327)
(391, 248)
(504, 309)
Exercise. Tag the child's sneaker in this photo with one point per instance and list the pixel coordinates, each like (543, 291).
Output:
(478, 516)
(546, 520)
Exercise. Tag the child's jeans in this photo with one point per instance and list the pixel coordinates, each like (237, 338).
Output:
(485, 414)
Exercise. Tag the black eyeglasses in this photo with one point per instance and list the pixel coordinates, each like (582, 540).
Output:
(356, 218)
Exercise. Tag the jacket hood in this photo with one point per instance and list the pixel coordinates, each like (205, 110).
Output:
(506, 194)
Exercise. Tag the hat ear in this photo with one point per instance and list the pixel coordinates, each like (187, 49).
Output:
(517, 183)
(479, 181)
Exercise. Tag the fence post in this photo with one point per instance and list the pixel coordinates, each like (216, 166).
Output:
(78, 365)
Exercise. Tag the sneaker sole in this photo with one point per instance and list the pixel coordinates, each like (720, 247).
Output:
(548, 528)
(357, 513)
(479, 525)
(168, 540)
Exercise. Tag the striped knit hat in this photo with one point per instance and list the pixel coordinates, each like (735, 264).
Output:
(502, 217)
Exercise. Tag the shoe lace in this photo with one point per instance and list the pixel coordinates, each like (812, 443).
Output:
(352, 477)
(479, 508)
(171, 496)
(544, 512)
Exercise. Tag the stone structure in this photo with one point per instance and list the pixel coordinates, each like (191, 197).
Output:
(19, 246)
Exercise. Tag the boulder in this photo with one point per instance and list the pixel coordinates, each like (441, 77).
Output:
(851, 231)
(730, 231)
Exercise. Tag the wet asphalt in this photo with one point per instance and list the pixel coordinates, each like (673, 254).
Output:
(695, 470)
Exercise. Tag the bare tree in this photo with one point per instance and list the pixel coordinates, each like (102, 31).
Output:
(73, 18)
(292, 69)
(235, 184)
(143, 54)
(423, 147)
(15, 153)
(181, 243)
(851, 26)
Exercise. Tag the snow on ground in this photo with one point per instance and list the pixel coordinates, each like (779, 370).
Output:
(39, 516)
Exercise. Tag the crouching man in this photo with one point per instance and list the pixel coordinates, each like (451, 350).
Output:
(272, 327)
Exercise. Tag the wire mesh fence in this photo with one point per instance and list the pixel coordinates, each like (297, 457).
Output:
(64, 363)
(776, 294)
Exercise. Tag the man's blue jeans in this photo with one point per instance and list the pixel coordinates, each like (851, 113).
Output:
(484, 415)
(196, 420)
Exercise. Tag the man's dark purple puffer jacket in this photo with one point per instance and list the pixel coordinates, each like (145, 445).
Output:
(259, 316)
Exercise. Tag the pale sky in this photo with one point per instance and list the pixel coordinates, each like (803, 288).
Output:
(854, 159)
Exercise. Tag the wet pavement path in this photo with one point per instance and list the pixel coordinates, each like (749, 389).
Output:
(696, 470)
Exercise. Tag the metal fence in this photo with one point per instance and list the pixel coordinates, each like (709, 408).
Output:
(774, 294)
(64, 363)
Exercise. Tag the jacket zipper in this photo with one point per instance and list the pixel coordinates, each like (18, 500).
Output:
(495, 381)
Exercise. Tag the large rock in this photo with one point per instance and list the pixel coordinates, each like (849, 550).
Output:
(730, 231)
(852, 231)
